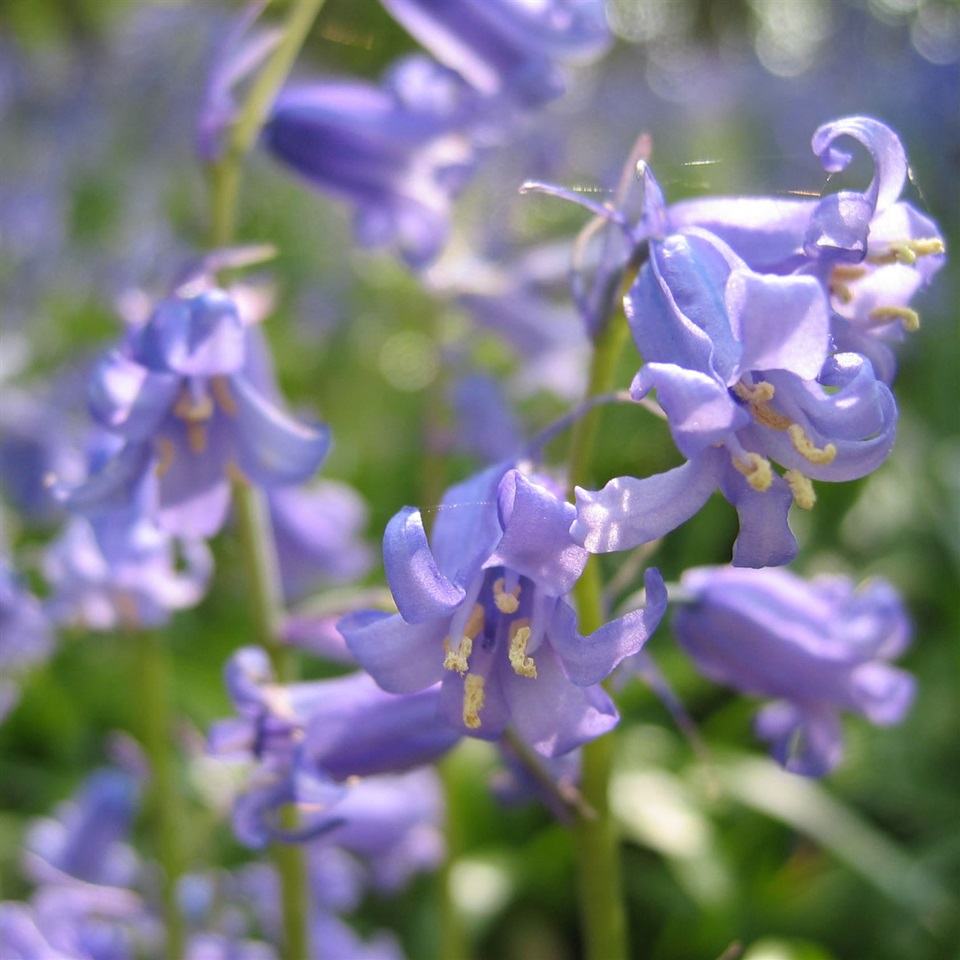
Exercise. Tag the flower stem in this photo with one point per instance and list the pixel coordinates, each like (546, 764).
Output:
(226, 172)
(256, 531)
(266, 607)
(598, 854)
(154, 681)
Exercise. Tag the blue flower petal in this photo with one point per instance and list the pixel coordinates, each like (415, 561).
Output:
(628, 512)
(536, 542)
(419, 589)
(591, 659)
(273, 448)
(400, 656)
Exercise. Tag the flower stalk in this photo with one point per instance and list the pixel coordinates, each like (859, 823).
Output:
(597, 844)
(154, 680)
(256, 533)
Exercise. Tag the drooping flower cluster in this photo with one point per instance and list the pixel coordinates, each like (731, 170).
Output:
(818, 646)
(483, 610)
(307, 740)
(748, 315)
(190, 394)
(401, 151)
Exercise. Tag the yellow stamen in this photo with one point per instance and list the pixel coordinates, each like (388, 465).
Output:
(847, 273)
(907, 251)
(758, 393)
(756, 470)
(506, 602)
(842, 276)
(223, 396)
(802, 489)
(806, 448)
(473, 698)
(193, 409)
(457, 659)
(522, 665)
(758, 398)
(909, 318)
(196, 437)
(165, 449)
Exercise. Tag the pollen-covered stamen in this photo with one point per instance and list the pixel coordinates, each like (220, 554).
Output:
(909, 318)
(195, 408)
(522, 665)
(802, 489)
(756, 469)
(807, 449)
(840, 279)
(197, 437)
(507, 602)
(758, 397)
(223, 396)
(165, 450)
(907, 251)
(473, 699)
(457, 659)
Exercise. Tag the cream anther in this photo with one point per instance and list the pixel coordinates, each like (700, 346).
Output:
(522, 665)
(757, 471)
(806, 448)
(756, 393)
(758, 398)
(907, 251)
(909, 318)
(165, 450)
(196, 436)
(457, 659)
(193, 409)
(844, 274)
(802, 489)
(223, 396)
(473, 698)
(506, 602)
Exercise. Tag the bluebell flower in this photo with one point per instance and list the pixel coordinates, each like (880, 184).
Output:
(190, 394)
(747, 369)
(483, 610)
(26, 635)
(83, 906)
(820, 647)
(871, 250)
(308, 738)
(507, 48)
(396, 152)
(317, 530)
(86, 837)
(741, 365)
(108, 573)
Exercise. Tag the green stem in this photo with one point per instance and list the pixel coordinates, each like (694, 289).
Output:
(452, 939)
(226, 173)
(603, 368)
(598, 853)
(154, 682)
(256, 532)
(266, 607)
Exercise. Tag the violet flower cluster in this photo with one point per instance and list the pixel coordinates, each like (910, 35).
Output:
(766, 328)
(93, 895)
(401, 151)
(749, 314)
